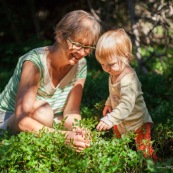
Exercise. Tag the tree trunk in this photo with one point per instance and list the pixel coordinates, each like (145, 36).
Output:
(136, 35)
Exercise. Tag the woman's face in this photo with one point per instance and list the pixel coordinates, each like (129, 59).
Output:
(78, 48)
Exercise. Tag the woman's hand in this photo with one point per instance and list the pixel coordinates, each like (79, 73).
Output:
(102, 126)
(72, 108)
(77, 140)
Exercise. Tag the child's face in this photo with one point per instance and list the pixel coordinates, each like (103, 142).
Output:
(113, 66)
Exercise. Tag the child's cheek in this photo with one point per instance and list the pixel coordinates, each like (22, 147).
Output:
(104, 69)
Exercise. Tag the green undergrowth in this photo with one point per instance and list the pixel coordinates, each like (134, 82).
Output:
(47, 152)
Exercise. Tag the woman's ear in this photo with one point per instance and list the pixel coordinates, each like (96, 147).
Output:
(59, 37)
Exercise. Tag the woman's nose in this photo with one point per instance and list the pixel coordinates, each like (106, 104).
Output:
(82, 52)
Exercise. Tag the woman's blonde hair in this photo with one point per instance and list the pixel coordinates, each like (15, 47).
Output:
(78, 24)
(114, 44)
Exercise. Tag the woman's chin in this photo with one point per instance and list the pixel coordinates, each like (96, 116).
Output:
(72, 62)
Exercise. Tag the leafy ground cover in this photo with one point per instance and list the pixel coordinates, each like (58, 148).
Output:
(47, 152)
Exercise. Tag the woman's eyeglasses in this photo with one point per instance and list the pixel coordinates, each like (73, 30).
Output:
(77, 46)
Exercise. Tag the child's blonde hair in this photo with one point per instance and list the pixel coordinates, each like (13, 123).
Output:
(114, 44)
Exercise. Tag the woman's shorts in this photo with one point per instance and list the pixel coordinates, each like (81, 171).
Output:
(4, 118)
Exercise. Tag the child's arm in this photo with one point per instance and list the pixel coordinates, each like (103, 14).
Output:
(129, 92)
(107, 109)
(102, 126)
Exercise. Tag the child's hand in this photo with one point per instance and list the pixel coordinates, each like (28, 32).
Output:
(107, 109)
(102, 126)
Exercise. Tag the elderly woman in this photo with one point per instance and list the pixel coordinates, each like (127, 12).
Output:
(48, 81)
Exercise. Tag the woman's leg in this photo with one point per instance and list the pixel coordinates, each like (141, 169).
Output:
(42, 113)
(143, 141)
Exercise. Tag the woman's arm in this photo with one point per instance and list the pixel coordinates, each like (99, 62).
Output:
(26, 107)
(26, 98)
(72, 109)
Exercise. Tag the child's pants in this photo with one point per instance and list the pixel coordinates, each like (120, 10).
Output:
(142, 139)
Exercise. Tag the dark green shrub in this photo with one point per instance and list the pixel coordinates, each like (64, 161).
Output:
(47, 152)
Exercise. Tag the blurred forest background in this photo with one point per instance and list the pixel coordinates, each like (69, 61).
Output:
(29, 24)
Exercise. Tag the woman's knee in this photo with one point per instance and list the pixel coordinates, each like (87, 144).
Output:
(43, 113)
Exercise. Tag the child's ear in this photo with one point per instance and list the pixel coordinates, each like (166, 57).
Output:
(129, 56)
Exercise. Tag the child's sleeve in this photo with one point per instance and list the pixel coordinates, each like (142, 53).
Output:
(125, 106)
